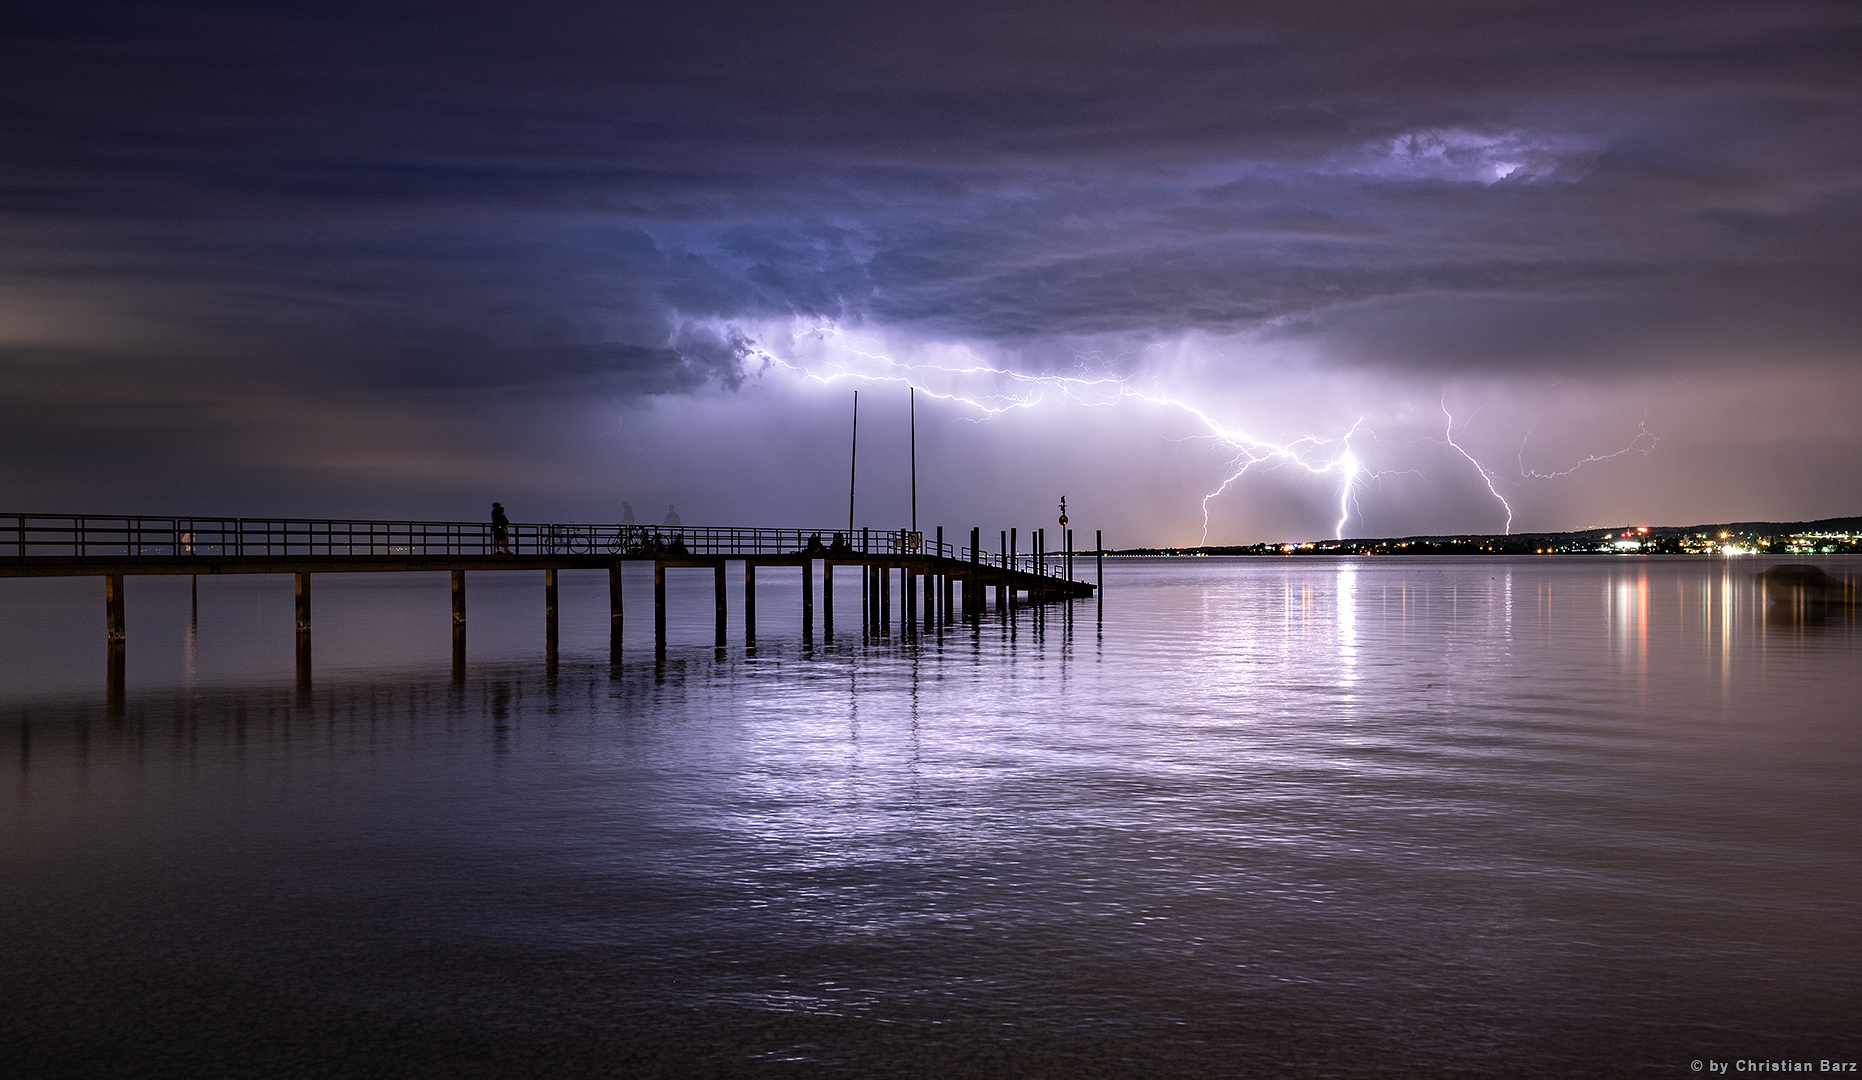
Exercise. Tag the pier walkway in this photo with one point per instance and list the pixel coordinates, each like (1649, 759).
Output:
(937, 582)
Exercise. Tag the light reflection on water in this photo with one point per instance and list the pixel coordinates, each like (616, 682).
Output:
(1361, 817)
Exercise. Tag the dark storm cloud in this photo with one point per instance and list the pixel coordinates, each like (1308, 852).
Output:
(975, 172)
(484, 199)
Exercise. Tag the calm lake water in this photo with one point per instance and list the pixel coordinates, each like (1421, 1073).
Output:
(1556, 816)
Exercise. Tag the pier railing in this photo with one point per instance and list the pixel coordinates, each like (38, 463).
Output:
(30, 536)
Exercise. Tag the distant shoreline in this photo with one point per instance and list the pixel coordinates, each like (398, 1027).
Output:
(1826, 536)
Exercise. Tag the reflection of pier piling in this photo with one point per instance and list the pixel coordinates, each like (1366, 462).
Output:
(935, 580)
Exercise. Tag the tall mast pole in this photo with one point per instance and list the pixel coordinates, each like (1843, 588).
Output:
(912, 398)
(853, 466)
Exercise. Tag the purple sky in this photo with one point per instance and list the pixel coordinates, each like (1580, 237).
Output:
(387, 259)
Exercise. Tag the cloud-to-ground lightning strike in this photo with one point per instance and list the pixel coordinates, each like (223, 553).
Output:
(1247, 452)
(1315, 454)
(1487, 477)
(1492, 480)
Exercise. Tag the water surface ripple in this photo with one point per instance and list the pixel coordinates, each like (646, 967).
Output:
(1556, 816)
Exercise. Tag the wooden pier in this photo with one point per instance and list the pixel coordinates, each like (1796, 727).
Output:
(938, 583)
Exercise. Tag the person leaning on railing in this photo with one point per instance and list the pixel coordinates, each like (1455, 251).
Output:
(500, 530)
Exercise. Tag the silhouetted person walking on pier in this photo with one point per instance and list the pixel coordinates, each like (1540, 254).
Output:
(500, 530)
(672, 516)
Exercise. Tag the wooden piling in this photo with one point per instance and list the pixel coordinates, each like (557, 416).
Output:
(1099, 558)
(549, 617)
(113, 608)
(1002, 588)
(303, 637)
(885, 601)
(944, 611)
(1011, 575)
(614, 601)
(459, 625)
(303, 603)
(717, 592)
(1036, 566)
(116, 646)
(808, 601)
(827, 599)
(659, 604)
(749, 604)
(973, 592)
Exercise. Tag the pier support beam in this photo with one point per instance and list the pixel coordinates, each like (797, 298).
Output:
(659, 605)
(1011, 575)
(459, 626)
(827, 600)
(944, 618)
(303, 636)
(749, 605)
(549, 615)
(614, 603)
(931, 619)
(113, 609)
(303, 603)
(807, 600)
(885, 601)
(116, 645)
(973, 590)
(1002, 588)
(717, 592)
(1040, 566)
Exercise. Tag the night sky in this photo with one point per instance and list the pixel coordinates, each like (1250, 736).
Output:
(398, 260)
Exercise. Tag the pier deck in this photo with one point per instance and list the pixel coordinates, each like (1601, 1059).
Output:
(935, 581)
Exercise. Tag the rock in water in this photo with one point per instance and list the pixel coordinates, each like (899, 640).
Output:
(1801, 583)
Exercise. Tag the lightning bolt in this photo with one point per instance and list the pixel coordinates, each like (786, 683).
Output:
(1246, 452)
(1492, 480)
(1635, 447)
(1487, 477)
